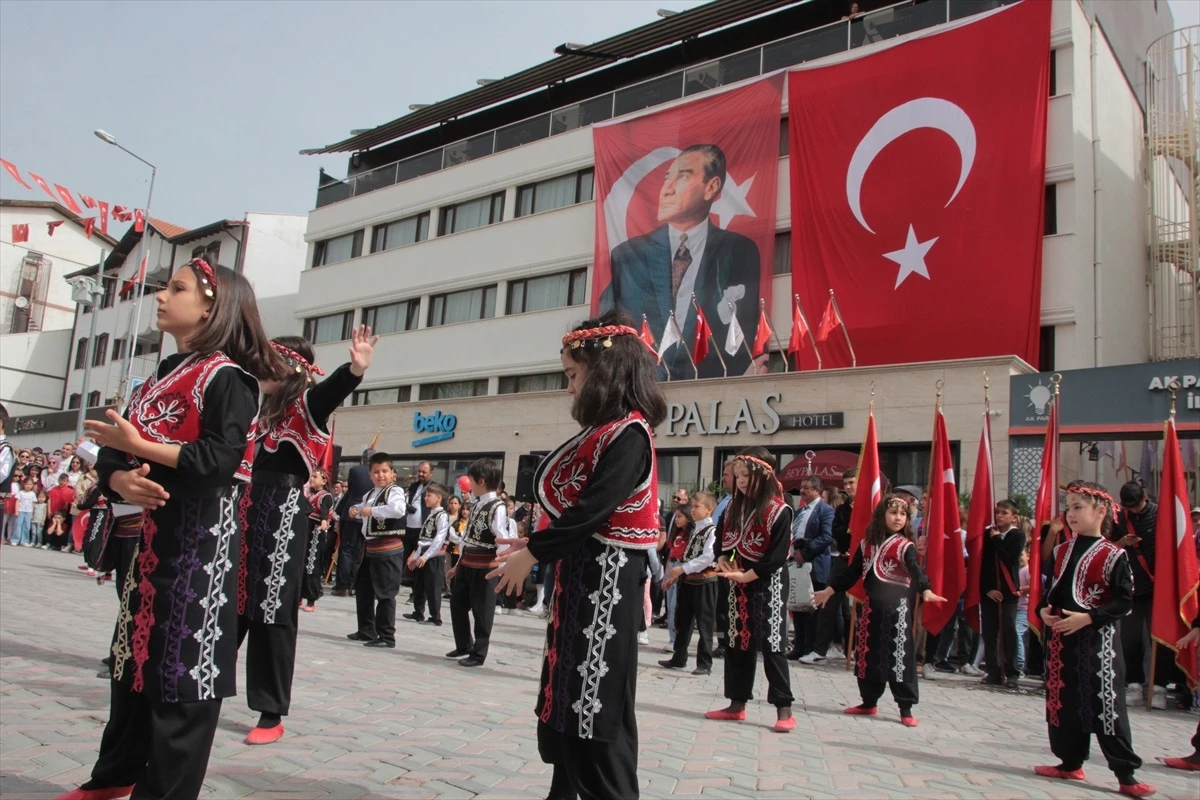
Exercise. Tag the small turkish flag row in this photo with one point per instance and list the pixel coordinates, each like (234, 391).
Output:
(61, 194)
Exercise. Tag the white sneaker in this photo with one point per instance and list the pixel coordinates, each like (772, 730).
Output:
(929, 673)
(1160, 698)
(538, 610)
(644, 637)
(1134, 690)
(811, 658)
(972, 670)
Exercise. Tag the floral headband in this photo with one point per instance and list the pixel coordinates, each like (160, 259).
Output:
(1098, 495)
(897, 502)
(596, 337)
(758, 465)
(296, 360)
(207, 276)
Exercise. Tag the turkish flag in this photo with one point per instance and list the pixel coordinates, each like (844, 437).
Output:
(1045, 511)
(1175, 572)
(89, 225)
(139, 220)
(11, 169)
(40, 181)
(327, 456)
(133, 281)
(799, 331)
(647, 336)
(52, 226)
(918, 179)
(700, 346)
(20, 233)
(829, 321)
(87, 201)
(763, 335)
(944, 561)
(867, 495)
(103, 214)
(707, 169)
(68, 199)
(983, 504)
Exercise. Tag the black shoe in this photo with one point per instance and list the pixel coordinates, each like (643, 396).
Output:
(415, 617)
(340, 593)
(471, 661)
(1012, 684)
(719, 652)
(358, 637)
(702, 671)
(104, 673)
(671, 663)
(458, 653)
(436, 622)
(794, 655)
(107, 661)
(989, 681)
(378, 643)
(944, 666)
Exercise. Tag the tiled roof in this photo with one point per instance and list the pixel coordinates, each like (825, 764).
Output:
(167, 229)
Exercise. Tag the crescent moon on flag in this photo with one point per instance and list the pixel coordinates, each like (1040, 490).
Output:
(616, 205)
(924, 112)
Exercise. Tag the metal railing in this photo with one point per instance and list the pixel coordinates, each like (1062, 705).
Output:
(838, 37)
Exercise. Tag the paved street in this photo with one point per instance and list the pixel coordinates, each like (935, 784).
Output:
(409, 723)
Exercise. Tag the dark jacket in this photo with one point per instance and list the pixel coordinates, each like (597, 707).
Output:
(1000, 563)
(841, 527)
(358, 483)
(818, 536)
(1141, 557)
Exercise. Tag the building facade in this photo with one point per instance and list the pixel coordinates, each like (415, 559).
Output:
(472, 259)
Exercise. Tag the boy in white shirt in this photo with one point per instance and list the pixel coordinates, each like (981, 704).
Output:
(427, 562)
(382, 512)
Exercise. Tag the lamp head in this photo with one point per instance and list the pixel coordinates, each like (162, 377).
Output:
(105, 136)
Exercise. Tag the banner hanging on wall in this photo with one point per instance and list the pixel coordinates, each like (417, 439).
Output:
(685, 205)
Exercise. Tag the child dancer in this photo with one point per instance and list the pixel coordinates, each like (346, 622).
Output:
(600, 489)
(697, 577)
(176, 455)
(886, 562)
(383, 513)
(1091, 589)
(427, 562)
(472, 591)
(321, 502)
(754, 552)
(1192, 762)
(291, 439)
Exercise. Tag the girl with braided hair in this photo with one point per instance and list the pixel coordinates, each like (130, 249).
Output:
(754, 541)
(1092, 588)
(290, 441)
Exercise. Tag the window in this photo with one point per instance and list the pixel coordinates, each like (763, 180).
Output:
(1053, 73)
(548, 291)
(75, 400)
(784, 144)
(471, 214)
(118, 349)
(1051, 224)
(330, 328)
(81, 353)
(341, 248)
(210, 252)
(565, 190)
(678, 470)
(651, 93)
(392, 318)
(93, 399)
(100, 353)
(145, 348)
(400, 233)
(378, 397)
(543, 382)
(453, 389)
(1046, 349)
(464, 306)
(783, 254)
(110, 290)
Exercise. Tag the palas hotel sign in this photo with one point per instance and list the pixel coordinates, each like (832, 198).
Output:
(686, 418)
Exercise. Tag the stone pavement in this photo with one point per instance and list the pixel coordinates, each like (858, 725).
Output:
(409, 723)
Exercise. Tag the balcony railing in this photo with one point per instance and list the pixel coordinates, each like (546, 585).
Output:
(838, 37)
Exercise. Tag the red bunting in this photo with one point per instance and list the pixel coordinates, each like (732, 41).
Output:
(103, 216)
(88, 225)
(11, 168)
(139, 220)
(830, 320)
(87, 201)
(20, 233)
(52, 226)
(40, 181)
(68, 199)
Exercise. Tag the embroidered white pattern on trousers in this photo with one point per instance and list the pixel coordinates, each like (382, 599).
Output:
(206, 671)
(121, 650)
(775, 611)
(279, 558)
(733, 617)
(1108, 674)
(314, 544)
(901, 631)
(594, 668)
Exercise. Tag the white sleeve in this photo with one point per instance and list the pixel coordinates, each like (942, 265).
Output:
(394, 508)
(705, 559)
(8, 457)
(500, 521)
(438, 545)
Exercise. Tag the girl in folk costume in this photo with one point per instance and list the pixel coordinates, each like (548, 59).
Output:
(887, 563)
(1091, 589)
(176, 454)
(600, 491)
(291, 439)
(756, 535)
(321, 503)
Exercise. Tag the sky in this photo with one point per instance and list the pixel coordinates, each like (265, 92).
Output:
(233, 90)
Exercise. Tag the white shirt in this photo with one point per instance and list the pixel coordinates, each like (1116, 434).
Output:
(418, 500)
(25, 501)
(435, 547)
(708, 555)
(8, 457)
(801, 521)
(394, 508)
(697, 237)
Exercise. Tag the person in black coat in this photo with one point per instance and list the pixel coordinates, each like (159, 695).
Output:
(999, 586)
(350, 551)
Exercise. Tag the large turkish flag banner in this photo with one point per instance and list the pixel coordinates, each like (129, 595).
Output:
(918, 182)
(708, 170)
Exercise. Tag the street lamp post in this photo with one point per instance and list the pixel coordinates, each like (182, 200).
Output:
(136, 314)
(85, 289)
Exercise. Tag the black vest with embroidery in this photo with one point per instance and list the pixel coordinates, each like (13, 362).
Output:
(695, 549)
(429, 529)
(479, 535)
(379, 525)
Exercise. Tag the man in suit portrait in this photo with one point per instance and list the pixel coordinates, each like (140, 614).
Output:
(657, 273)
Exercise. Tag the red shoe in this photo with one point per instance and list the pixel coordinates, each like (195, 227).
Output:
(909, 722)
(1182, 763)
(785, 725)
(265, 735)
(859, 711)
(309, 609)
(1137, 789)
(727, 716)
(108, 793)
(1055, 772)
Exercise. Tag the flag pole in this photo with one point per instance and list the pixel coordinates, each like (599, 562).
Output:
(713, 339)
(812, 337)
(853, 601)
(646, 324)
(762, 306)
(838, 310)
(686, 349)
(745, 345)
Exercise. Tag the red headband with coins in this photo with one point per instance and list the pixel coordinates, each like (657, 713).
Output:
(759, 465)
(596, 337)
(1098, 495)
(297, 360)
(205, 273)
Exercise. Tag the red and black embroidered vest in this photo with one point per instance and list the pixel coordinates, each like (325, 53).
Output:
(887, 560)
(315, 501)
(168, 410)
(300, 430)
(1092, 586)
(564, 474)
(751, 538)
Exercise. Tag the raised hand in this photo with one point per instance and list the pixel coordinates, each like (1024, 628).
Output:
(119, 435)
(362, 347)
